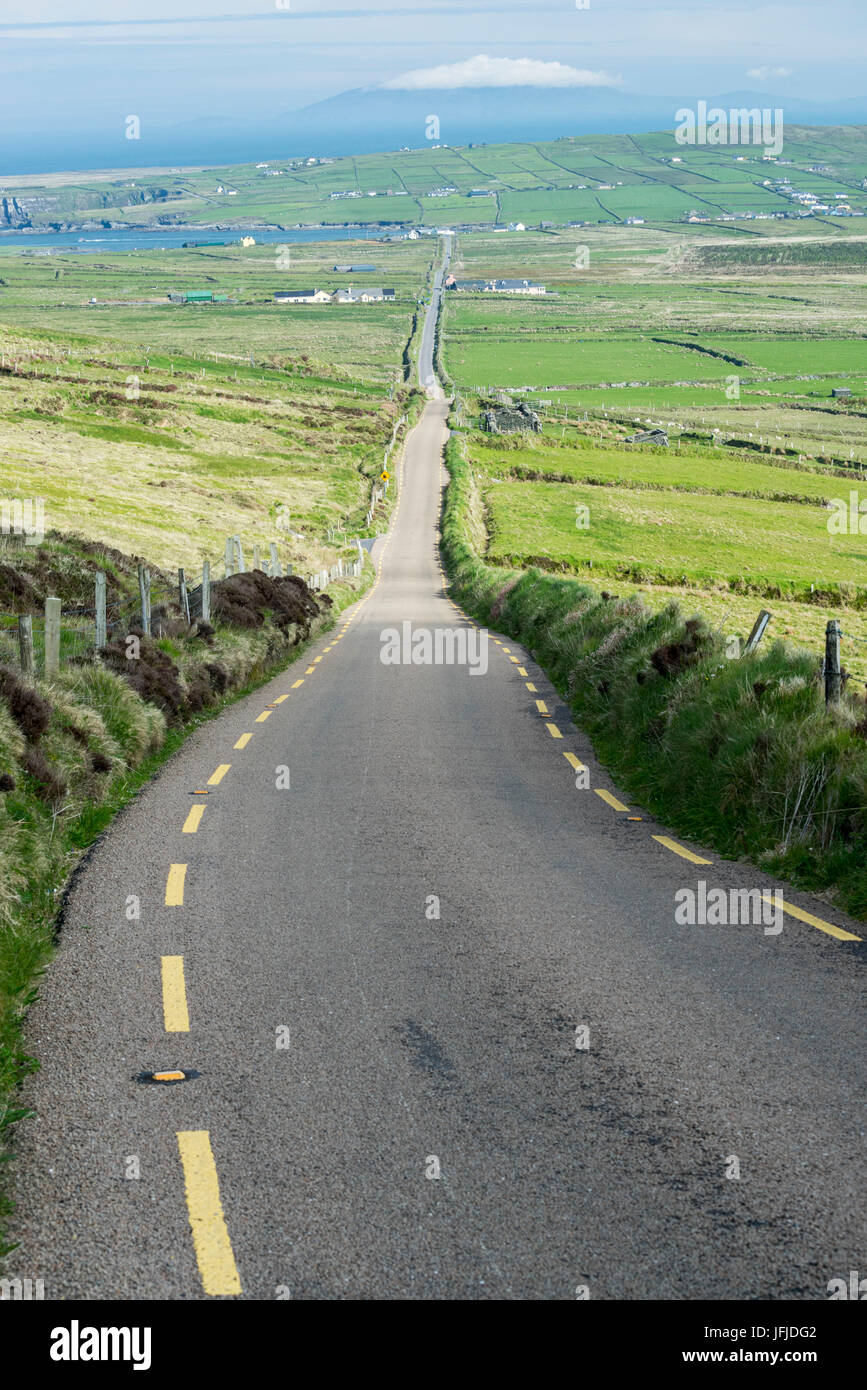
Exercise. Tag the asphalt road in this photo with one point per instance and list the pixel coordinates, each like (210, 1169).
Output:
(384, 965)
(426, 374)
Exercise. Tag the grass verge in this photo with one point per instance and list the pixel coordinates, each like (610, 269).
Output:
(741, 754)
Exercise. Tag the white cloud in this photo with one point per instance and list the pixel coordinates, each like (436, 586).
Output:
(483, 71)
(765, 72)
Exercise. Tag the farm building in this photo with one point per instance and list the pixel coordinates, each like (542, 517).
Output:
(301, 297)
(495, 286)
(352, 269)
(649, 437)
(452, 284)
(374, 295)
(507, 419)
(197, 297)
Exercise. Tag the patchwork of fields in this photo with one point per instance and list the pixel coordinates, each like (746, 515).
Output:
(598, 179)
(160, 429)
(739, 371)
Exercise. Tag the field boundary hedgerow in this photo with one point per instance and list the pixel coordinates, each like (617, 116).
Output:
(739, 754)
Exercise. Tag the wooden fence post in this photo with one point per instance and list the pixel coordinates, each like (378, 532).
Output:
(101, 625)
(206, 592)
(276, 571)
(52, 636)
(758, 632)
(230, 554)
(184, 596)
(25, 644)
(144, 588)
(833, 678)
(239, 554)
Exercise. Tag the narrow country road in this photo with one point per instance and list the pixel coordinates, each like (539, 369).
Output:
(384, 965)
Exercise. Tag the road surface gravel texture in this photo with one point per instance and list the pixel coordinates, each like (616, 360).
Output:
(350, 1044)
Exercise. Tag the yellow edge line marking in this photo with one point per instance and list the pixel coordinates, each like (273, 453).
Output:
(541, 707)
(554, 731)
(679, 849)
(243, 740)
(808, 917)
(612, 801)
(175, 885)
(194, 819)
(177, 1018)
(521, 671)
(279, 700)
(216, 778)
(297, 683)
(266, 714)
(573, 761)
(210, 1236)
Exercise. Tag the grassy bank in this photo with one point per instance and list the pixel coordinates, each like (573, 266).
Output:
(77, 747)
(741, 754)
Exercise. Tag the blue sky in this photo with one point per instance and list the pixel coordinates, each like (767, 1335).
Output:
(72, 71)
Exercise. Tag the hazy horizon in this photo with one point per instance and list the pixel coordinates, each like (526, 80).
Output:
(212, 87)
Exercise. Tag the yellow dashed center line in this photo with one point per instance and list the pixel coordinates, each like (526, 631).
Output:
(522, 671)
(296, 684)
(611, 800)
(681, 850)
(175, 885)
(177, 1018)
(210, 1236)
(316, 660)
(216, 778)
(194, 819)
(310, 670)
(280, 698)
(266, 714)
(554, 731)
(819, 922)
(541, 707)
(531, 686)
(574, 762)
(243, 740)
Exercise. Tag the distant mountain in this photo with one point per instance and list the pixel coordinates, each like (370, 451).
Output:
(379, 119)
(374, 119)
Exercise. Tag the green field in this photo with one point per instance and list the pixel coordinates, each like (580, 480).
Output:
(738, 367)
(598, 179)
(161, 428)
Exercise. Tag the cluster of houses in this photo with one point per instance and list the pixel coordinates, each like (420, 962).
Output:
(494, 286)
(369, 295)
(837, 206)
